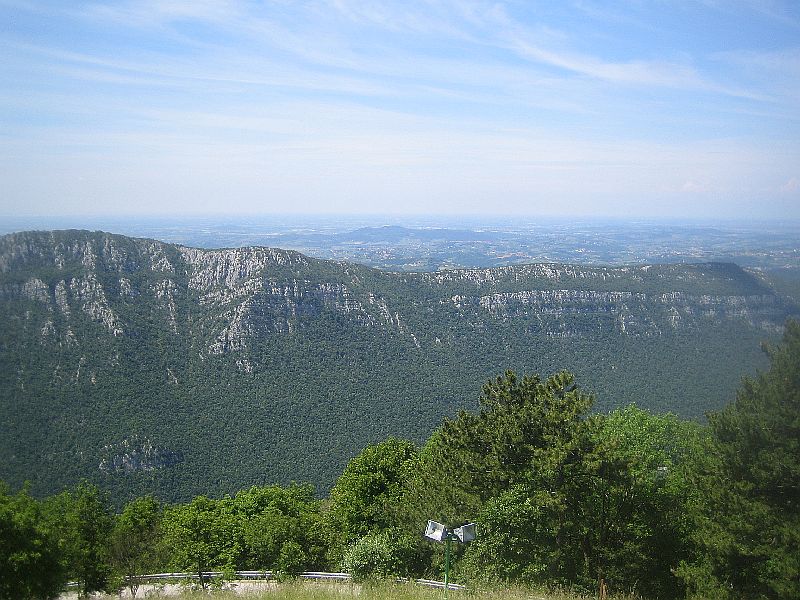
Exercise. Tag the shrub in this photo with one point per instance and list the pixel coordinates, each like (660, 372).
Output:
(380, 555)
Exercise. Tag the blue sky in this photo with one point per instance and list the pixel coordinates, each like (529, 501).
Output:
(653, 109)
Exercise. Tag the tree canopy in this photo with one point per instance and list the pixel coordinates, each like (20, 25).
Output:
(629, 501)
(750, 531)
(31, 564)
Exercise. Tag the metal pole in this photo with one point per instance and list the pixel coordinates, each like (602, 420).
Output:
(446, 564)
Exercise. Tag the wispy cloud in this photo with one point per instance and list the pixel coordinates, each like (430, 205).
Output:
(786, 61)
(781, 11)
(425, 99)
(476, 25)
(155, 13)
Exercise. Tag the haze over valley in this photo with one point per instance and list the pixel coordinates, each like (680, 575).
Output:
(430, 243)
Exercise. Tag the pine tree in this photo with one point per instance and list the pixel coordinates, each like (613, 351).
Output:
(752, 536)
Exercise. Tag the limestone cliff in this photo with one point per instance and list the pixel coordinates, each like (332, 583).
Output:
(145, 357)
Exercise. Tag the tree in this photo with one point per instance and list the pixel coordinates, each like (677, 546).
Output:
(279, 527)
(135, 540)
(564, 499)
(368, 495)
(201, 535)
(516, 537)
(514, 456)
(524, 433)
(292, 559)
(750, 535)
(30, 561)
(83, 521)
(632, 501)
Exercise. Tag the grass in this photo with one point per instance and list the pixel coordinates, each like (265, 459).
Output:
(304, 590)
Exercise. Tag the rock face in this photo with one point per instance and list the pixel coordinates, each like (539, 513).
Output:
(248, 293)
(134, 455)
(242, 294)
(98, 327)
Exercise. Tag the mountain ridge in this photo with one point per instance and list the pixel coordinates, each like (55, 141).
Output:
(120, 346)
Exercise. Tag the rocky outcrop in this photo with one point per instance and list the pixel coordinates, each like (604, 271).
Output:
(231, 298)
(132, 455)
(672, 309)
(257, 364)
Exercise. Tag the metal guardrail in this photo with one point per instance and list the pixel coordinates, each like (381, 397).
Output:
(323, 575)
(440, 584)
(271, 575)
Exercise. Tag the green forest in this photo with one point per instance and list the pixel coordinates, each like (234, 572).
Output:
(146, 367)
(564, 497)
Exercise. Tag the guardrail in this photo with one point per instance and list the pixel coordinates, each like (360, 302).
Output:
(271, 575)
(440, 584)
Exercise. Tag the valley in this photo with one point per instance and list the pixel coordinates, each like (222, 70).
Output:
(149, 366)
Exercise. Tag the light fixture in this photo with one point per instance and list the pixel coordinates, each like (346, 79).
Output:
(441, 533)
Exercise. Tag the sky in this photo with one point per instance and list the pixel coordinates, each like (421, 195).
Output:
(677, 109)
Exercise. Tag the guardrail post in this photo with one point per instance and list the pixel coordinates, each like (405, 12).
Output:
(446, 565)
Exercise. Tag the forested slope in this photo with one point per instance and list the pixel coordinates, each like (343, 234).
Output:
(149, 366)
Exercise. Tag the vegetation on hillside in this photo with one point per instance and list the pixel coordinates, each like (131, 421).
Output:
(144, 367)
(629, 501)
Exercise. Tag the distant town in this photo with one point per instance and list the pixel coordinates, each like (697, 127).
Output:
(430, 243)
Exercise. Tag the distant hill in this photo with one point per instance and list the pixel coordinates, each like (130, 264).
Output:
(148, 366)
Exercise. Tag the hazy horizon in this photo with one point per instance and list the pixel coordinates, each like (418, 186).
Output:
(9, 222)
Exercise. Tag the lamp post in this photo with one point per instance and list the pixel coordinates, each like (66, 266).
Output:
(440, 533)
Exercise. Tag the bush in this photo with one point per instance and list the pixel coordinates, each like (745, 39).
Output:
(292, 560)
(381, 555)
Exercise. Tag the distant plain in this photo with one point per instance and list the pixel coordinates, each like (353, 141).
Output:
(430, 243)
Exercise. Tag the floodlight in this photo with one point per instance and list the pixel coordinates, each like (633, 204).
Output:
(435, 531)
(440, 533)
(465, 533)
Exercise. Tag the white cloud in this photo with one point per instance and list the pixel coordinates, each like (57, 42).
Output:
(791, 187)
(693, 187)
